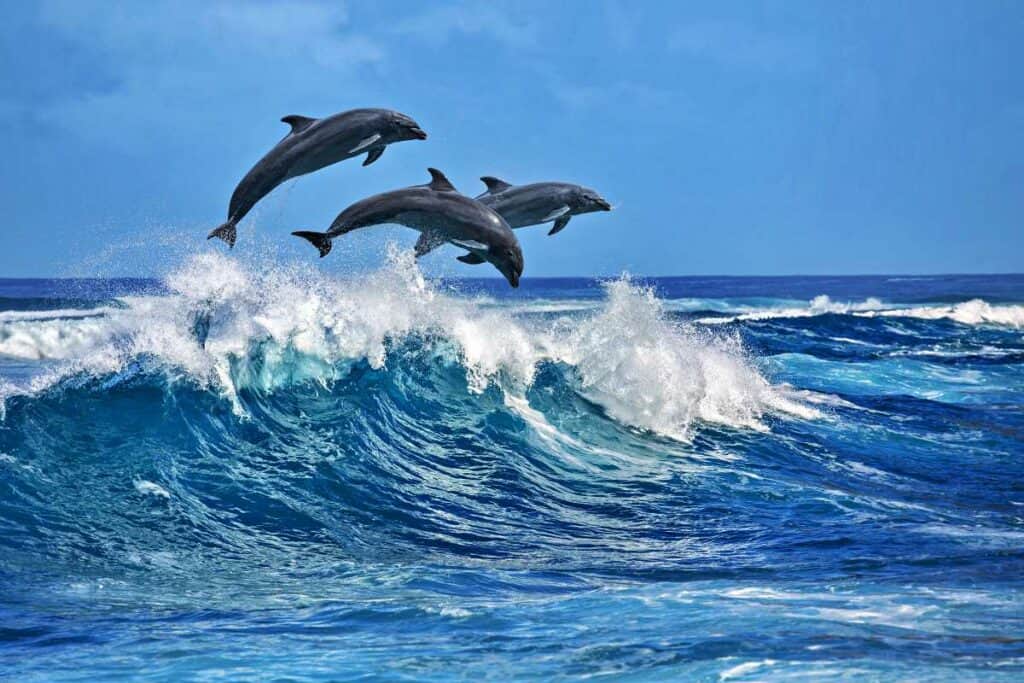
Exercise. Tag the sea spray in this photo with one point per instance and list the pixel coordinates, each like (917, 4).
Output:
(973, 312)
(652, 373)
(274, 326)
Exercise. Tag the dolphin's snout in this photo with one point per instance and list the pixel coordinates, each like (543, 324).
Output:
(603, 203)
(418, 132)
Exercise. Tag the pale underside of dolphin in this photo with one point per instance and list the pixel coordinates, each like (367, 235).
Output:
(441, 214)
(311, 145)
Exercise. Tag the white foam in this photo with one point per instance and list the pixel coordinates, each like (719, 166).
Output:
(974, 312)
(67, 313)
(542, 306)
(277, 325)
(651, 373)
(819, 305)
(148, 488)
(55, 338)
(745, 668)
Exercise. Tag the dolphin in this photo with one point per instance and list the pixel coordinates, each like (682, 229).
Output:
(313, 144)
(441, 214)
(537, 203)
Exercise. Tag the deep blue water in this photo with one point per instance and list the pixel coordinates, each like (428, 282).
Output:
(397, 479)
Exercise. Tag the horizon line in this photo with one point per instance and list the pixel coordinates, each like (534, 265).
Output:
(580, 277)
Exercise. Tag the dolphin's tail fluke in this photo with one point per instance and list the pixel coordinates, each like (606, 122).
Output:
(320, 240)
(226, 232)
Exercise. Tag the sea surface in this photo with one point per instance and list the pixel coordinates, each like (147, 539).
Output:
(269, 473)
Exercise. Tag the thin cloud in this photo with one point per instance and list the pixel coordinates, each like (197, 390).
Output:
(622, 23)
(205, 31)
(589, 96)
(174, 66)
(738, 45)
(439, 25)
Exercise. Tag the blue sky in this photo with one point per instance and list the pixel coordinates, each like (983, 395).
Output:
(736, 138)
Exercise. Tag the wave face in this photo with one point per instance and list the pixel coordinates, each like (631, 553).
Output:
(263, 471)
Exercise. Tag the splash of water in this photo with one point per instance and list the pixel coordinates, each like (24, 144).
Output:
(275, 326)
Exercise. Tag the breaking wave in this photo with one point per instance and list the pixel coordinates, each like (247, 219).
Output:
(973, 312)
(229, 328)
(392, 474)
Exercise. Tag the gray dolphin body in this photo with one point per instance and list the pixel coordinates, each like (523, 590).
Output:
(441, 214)
(311, 145)
(537, 203)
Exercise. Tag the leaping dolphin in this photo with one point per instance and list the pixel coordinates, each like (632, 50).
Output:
(537, 203)
(311, 145)
(441, 214)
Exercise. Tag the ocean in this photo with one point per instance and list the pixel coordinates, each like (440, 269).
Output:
(270, 473)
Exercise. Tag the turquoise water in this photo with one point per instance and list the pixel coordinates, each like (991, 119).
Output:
(268, 474)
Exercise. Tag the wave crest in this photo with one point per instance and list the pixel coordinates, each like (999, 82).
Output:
(267, 328)
(973, 312)
(652, 373)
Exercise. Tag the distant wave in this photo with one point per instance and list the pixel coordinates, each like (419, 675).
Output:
(974, 312)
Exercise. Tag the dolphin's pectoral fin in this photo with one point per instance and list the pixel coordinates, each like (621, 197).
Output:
(560, 211)
(364, 143)
(429, 241)
(298, 123)
(495, 185)
(472, 258)
(438, 181)
(559, 225)
(373, 155)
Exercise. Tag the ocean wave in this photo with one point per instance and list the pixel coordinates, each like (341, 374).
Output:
(819, 305)
(974, 312)
(56, 337)
(654, 374)
(257, 450)
(54, 314)
(268, 328)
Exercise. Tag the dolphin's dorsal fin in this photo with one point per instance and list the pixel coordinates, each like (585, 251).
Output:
(495, 185)
(298, 123)
(439, 182)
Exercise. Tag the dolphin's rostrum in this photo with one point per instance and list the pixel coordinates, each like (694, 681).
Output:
(537, 203)
(313, 144)
(441, 214)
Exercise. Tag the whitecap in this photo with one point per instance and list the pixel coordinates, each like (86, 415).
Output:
(276, 325)
(149, 488)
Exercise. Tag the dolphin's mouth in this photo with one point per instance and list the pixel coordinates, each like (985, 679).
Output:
(418, 133)
(603, 204)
